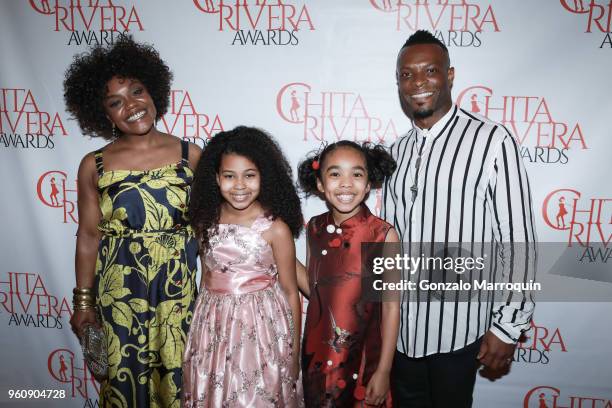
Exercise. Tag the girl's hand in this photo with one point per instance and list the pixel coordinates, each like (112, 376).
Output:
(80, 318)
(283, 248)
(377, 388)
(295, 370)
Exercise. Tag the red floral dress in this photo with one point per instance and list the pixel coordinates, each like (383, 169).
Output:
(342, 336)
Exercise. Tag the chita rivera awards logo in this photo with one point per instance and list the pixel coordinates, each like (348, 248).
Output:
(69, 369)
(184, 120)
(538, 344)
(546, 396)
(457, 23)
(29, 303)
(55, 190)
(332, 115)
(90, 22)
(542, 136)
(259, 22)
(25, 124)
(584, 220)
(598, 16)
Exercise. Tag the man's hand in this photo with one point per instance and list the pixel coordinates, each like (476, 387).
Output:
(494, 352)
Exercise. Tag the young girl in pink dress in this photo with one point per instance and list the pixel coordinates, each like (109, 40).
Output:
(243, 345)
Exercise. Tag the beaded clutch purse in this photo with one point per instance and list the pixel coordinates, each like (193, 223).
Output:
(93, 344)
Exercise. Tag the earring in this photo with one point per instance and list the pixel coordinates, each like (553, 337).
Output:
(114, 132)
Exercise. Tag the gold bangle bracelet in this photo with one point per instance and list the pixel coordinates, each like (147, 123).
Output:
(83, 299)
(83, 302)
(86, 297)
(90, 301)
(79, 305)
(82, 291)
(85, 309)
(78, 301)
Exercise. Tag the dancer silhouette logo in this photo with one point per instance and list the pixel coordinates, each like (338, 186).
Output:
(69, 369)
(54, 190)
(457, 23)
(332, 115)
(584, 220)
(91, 22)
(543, 138)
(259, 22)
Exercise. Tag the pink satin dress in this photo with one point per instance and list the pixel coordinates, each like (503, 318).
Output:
(239, 349)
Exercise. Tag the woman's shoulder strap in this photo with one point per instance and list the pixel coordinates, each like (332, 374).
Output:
(262, 223)
(98, 156)
(185, 153)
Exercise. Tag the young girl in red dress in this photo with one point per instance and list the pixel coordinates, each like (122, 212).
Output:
(349, 340)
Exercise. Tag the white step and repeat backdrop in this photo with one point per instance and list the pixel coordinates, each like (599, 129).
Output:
(306, 71)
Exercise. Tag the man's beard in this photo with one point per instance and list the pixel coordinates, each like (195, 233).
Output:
(422, 113)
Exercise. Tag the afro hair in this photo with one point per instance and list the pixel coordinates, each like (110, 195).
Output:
(85, 81)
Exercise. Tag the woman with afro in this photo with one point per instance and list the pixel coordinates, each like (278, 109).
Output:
(135, 252)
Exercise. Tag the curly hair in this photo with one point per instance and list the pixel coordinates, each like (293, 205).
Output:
(379, 164)
(277, 193)
(86, 78)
